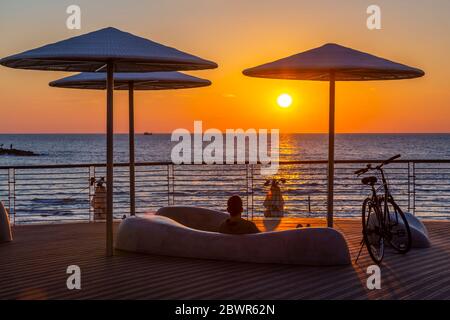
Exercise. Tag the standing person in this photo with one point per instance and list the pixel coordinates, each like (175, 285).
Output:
(99, 200)
(235, 224)
(274, 202)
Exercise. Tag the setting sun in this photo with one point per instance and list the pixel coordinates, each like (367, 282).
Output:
(284, 100)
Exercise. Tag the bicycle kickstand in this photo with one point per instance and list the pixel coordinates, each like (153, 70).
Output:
(360, 250)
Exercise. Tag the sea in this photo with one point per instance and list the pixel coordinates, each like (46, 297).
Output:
(61, 149)
(91, 148)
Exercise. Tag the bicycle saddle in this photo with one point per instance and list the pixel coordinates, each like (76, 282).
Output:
(369, 180)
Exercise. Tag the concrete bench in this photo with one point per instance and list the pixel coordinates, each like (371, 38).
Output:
(419, 233)
(5, 227)
(159, 234)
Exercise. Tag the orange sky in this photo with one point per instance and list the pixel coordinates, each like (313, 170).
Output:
(237, 35)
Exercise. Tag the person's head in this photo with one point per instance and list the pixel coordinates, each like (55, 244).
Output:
(234, 206)
(100, 182)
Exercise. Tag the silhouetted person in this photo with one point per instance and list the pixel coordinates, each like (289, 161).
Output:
(235, 224)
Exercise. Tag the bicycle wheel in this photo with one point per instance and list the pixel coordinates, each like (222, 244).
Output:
(398, 231)
(372, 231)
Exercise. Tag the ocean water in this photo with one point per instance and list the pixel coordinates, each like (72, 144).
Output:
(64, 194)
(90, 148)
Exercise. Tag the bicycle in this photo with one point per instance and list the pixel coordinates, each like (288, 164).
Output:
(382, 219)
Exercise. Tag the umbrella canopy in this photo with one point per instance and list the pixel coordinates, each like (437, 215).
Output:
(91, 52)
(109, 50)
(141, 81)
(345, 63)
(333, 62)
(131, 82)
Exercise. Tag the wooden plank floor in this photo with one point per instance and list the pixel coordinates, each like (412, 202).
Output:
(34, 267)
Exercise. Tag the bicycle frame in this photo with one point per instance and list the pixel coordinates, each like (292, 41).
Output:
(383, 216)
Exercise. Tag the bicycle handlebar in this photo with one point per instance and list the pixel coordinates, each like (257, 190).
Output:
(369, 167)
(391, 159)
(361, 171)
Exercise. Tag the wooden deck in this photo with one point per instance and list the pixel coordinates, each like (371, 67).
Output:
(34, 267)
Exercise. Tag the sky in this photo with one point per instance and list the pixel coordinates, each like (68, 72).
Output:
(237, 35)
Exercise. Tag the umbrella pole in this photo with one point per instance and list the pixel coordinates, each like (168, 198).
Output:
(131, 146)
(109, 158)
(331, 152)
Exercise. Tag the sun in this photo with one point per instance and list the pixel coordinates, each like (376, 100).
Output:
(284, 100)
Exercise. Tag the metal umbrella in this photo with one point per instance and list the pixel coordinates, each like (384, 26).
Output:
(131, 82)
(332, 63)
(109, 50)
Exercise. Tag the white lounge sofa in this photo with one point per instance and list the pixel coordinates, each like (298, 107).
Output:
(163, 234)
(194, 217)
(419, 233)
(5, 227)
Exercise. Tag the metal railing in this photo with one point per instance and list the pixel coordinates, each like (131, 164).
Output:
(61, 193)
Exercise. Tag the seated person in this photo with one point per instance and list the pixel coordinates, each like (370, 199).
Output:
(235, 224)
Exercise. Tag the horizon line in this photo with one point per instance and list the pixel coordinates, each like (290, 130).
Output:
(168, 133)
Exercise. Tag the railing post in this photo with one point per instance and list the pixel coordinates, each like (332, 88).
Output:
(414, 188)
(409, 186)
(249, 181)
(170, 185)
(91, 194)
(12, 194)
(309, 204)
